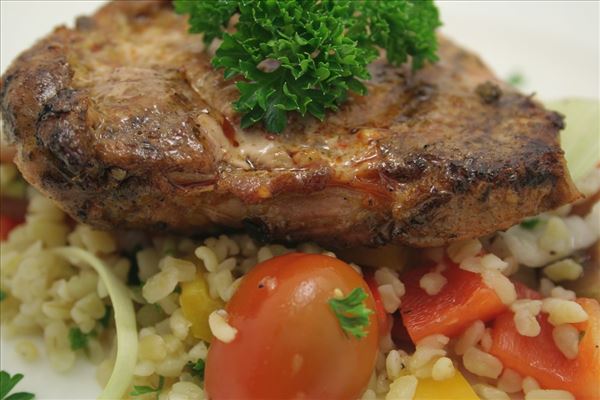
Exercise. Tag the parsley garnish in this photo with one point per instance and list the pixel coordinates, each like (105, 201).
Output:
(2, 295)
(78, 339)
(7, 383)
(198, 368)
(530, 224)
(140, 390)
(305, 56)
(516, 79)
(352, 313)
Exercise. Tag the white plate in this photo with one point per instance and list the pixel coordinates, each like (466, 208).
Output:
(553, 44)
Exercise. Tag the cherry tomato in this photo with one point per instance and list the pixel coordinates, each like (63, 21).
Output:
(289, 342)
(7, 224)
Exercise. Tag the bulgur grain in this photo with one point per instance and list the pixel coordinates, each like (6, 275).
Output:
(389, 298)
(526, 323)
(470, 337)
(510, 381)
(566, 338)
(559, 292)
(403, 388)
(432, 283)
(442, 369)
(393, 365)
(563, 311)
(482, 364)
(493, 262)
(563, 270)
(27, 350)
(152, 347)
(529, 384)
(487, 392)
(549, 395)
(220, 328)
(458, 251)
(486, 340)
(503, 287)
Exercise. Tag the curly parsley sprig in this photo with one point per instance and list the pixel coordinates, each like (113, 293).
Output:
(352, 313)
(305, 56)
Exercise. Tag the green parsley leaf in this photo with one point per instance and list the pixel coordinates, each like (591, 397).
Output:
(3, 295)
(352, 313)
(530, 224)
(7, 383)
(516, 79)
(305, 56)
(78, 339)
(198, 368)
(140, 390)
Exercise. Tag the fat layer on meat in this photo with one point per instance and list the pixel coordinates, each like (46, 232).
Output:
(124, 123)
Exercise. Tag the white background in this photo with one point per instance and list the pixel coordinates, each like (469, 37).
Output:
(554, 44)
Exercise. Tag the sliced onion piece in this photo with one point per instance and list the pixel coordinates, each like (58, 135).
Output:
(127, 338)
(581, 137)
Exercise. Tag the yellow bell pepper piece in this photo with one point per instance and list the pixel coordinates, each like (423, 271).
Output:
(455, 388)
(197, 305)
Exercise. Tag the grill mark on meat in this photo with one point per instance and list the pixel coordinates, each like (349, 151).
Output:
(125, 124)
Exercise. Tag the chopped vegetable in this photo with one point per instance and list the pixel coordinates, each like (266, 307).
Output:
(580, 134)
(352, 313)
(77, 339)
(283, 319)
(305, 56)
(140, 390)
(197, 305)
(198, 368)
(7, 224)
(540, 358)
(462, 301)
(530, 223)
(7, 383)
(127, 337)
(455, 388)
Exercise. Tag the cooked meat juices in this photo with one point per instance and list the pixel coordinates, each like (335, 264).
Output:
(125, 124)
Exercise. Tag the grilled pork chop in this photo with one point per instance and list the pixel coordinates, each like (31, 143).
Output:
(123, 122)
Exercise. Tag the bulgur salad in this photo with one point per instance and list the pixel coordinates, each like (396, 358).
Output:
(510, 314)
(467, 325)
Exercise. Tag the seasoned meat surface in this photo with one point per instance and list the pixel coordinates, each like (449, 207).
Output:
(124, 123)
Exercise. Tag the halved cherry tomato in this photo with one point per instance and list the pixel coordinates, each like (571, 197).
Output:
(464, 299)
(539, 357)
(289, 343)
(7, 224)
